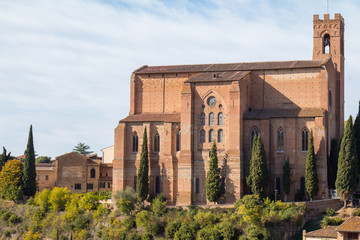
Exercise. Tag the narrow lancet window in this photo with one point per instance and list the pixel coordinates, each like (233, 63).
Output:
(280, 137)
(202, 119)
(305, 140)
(220, 135)
(202, 136)
(135, 147)
(211, 135)
(211, 119)
(220, 119)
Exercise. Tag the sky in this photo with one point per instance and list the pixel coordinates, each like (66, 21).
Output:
(65, 65)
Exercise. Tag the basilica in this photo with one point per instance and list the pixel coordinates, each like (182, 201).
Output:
(185, 108)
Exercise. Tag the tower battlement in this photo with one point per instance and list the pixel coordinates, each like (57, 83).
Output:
(337, 17)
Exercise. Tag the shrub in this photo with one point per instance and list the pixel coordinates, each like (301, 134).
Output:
(30, 235)
(146, 236)
(14, 219)
(330, 212)
(227, 230)
(332, 221)
(58, 198)
(208, 233)
(159, 204)
(126, 200)
(172, 228)
(42, 199)
(184, 232)
(129, 223)
(143, 219)
(356, 212)
(13, 193)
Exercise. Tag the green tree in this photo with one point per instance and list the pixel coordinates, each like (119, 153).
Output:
(29, 176)
(11, 179)
(142, 184)
(258, 178)
(311, 179)
(286, 178)
(82, 148)
(347, 175)
(4, 157)
(43, 159)
(126, 200)
(214, 186)
(357, 137)
(332, 163)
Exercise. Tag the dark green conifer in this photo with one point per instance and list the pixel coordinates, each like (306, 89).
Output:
(286, 177)
(258, 178)
(29, 176)
(142, 184)
(332, 163)
(214, 186)
(311, 179)
(347, 174)
(4, 157)
(357, 137)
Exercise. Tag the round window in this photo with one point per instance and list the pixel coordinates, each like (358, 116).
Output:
(211, 101)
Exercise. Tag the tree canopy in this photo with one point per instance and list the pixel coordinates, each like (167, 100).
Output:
(142, 184)
(214, 186)
(311, 178)
(82, 148)
(258, 178)
(29, 176)
(347, 174)
(43, 159)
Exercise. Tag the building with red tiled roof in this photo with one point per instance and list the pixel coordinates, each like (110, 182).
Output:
(185, 108)
(348, 230)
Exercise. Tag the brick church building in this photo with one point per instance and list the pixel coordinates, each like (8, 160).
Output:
(186, 107)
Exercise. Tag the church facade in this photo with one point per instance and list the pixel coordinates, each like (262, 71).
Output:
(184, 108)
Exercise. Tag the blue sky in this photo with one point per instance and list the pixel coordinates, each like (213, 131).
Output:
(65, 65)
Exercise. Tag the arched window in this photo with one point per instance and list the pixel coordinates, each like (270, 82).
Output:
(220, 135)
(329, 99)
(202, 119)
(254, 133)
(220, 119)
(178, 138)
(135, 182)
(135, 147)
(304, 140)
(202, 136)
(197, 185)
(277, 185)
(211, 119)
(157, 184)
(92, 173)
(326, 44)
(211, 135)
(157, 143)
(280, 138)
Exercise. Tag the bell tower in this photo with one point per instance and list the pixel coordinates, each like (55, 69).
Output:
(329, 43)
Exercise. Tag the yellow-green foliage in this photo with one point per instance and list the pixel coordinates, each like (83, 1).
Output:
(11, 174)
(30, 235)
(42, 199)
(58, 198)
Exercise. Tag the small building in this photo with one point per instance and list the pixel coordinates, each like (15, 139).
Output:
(81, 173)
(108, 154)
(348, 230)
(45, 176)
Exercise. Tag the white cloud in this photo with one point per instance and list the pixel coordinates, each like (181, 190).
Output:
(65, 65)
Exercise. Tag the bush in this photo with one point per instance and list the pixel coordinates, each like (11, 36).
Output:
(143, 219)
(332, 221)
(146, 236)
(58, 198)
(208, 233)
(356, 212)
(159, 204)
(42, 199)
(184, 232)
(126, 200)
(172, 228)
(330, 212)
(14, 219)
(227, 230)
(129, 223)
(13, 193)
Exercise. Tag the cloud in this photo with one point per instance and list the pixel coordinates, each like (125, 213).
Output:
(65, 65)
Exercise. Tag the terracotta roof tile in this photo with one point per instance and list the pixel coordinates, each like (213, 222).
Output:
(328, 232)
(148, 117)
(281, 113)
(218, 76)
(350, 225)
(247, 66)
(45, 166)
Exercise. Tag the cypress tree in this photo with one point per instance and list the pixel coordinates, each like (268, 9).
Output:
(311, 179)
(286, 177)
(4, 157)
(258, 178)
(214, 186)
(332, 163)
(142, 181)
(357, 137)
(347, 174)
(29, 176)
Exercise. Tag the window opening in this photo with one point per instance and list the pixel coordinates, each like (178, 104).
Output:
(202, 119)
(211, 119)
(280, 141)
(220, 119)
(326, 44)
(178, 138)
(157, 184)
(211, 135)
(202, 136)
(305, 142)
(157, 143)
(197, 184)
(220, 135)
(92, 173)
(135, 143)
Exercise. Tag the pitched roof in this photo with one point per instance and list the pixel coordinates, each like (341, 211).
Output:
(218, 76)
(150, 117)
(350, 225)
(245, 66)
(328, 232)
(284, 113)
(45, 166)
